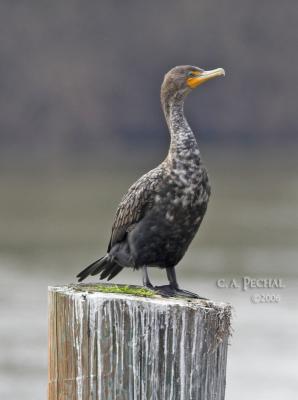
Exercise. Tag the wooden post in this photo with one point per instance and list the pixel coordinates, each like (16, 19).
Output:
(107, 346)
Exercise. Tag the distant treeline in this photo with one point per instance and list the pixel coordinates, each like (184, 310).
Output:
(83, 76)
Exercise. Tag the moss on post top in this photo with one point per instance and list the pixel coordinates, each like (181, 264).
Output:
(113, 288)
(142, 294)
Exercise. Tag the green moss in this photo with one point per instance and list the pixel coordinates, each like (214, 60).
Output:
(124, 289)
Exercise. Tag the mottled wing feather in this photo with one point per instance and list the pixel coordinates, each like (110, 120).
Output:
(134, 205)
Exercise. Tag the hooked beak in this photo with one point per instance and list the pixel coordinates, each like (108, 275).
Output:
(204, 76)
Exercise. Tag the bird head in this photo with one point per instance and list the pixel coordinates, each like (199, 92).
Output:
(183, 79)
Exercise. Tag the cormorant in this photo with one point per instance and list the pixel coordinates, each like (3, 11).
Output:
(160, 214)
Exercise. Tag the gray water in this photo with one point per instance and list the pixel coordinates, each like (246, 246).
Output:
(55, 222)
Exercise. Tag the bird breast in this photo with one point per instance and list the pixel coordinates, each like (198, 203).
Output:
(184, 194)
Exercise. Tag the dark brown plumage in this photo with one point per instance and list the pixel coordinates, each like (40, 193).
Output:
(160, 214)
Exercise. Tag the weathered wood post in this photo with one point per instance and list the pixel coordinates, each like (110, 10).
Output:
(107, 346)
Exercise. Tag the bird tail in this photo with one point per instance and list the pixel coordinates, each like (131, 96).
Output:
(106, 266)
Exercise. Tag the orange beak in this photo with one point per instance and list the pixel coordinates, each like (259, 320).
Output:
(201, 77)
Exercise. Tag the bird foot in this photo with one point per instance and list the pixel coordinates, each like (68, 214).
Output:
(170, 291)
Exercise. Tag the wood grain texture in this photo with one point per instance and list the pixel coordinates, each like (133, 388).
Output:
(105, 346)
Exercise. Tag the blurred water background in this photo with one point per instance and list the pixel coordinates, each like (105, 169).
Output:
(80, 120)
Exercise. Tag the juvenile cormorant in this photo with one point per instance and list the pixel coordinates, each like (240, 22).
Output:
(161, 212)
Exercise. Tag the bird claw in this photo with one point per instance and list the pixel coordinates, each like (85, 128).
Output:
(170, 291)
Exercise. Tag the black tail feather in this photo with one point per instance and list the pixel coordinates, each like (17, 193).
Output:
(115, 272)
(100, 267)
(110, 270)
(105, 265)
(89, 270)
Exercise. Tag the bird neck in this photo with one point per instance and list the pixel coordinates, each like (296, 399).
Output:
(184, 146)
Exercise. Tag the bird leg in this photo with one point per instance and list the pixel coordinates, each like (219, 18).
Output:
(173, 289)
(146, 281)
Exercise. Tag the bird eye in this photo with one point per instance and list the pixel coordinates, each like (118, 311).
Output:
(191, 74)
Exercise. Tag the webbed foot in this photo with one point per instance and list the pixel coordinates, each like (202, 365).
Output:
(171, 291)
(165, 291)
